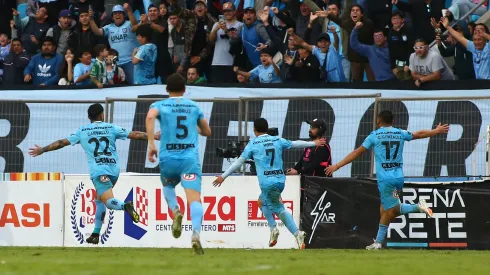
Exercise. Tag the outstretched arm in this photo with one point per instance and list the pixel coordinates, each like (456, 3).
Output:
(37, 151)
(237, 164)
(137, 135)
(440, 129)
(348, 159)
(305, 144)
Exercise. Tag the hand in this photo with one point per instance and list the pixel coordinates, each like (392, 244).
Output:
(331, 169)
(69, 58)
(42, 84)
(222, 25)
(288, 59)
(12, 24)
(320, 142)
(445, 22)
(34, 39)
(291, 31)
(291, 171)
(103, 16)
(195, 60)
(332, 29)
(359, 25)
(176, 59)
(395, 71)
(152, 153)
(135, 50)
(235, 69)
(100, 85)
(299, 64)
(275, 10)
(180, 69)
(15, 12)
(91, 14)
(261, 46)
(313, 17)
(144, 19)
(218, 181)
(158, 135)
(126, 7)
(434, 23)
(322, 13)
(442, 129)
(36, 151)
(27, 78)
(264, 15)
(406, 68)
(394, 2)
(418, 83)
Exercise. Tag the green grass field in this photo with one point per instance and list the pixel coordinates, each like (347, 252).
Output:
(108, 261)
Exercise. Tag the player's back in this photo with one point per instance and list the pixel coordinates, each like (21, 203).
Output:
(98, 139)
(388, 143)
(267, 151)
(179, 118)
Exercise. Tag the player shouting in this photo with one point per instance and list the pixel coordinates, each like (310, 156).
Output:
(182, 121)
(388, 143)
(266, 151)
(98, 139)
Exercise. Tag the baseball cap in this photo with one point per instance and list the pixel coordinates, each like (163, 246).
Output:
(323, 36)
(228, 6)
(64, 13)
(200, 1)
(317, 123)
(117, 8)
(152, 6)
(249, 9)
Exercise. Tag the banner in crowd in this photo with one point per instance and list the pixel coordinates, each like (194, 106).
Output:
(461, 152)
(232, 218)
(344, 213)
(31, 209)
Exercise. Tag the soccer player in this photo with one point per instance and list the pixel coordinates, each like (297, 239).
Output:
(388, 143)
(183, 121)
(266, 151)
(98, 139)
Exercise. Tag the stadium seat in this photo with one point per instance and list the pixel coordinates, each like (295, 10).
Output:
(22, 9)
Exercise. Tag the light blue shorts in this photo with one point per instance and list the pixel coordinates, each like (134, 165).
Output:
(104, 183)
(187, 171)
(271, 197)
(389, 191)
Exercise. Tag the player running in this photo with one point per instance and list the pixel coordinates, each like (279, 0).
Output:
(266, 151)
(98, 139)
(182, 121)
(388, 150)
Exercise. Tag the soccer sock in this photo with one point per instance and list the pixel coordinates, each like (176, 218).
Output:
(115, 204)
(170, 197)
(196, 216)
(288, 220)
(381, 233)
(100, 210)
(406, 208)
(269, 216)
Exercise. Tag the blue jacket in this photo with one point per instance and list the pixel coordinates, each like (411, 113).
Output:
(379, 58)
(251, 39)
(44, 70)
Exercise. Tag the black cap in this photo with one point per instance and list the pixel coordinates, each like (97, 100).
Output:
(319, 123)
(249, 9)
(323, 36)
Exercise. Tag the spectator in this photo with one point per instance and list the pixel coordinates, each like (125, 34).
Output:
(121, 38)
(254, 37)
(330, 64)
(62, 32)
(4, 51)
(242, 78)
(66, 69)
(81, 72)
(33, 29)
(15, 63)
(302, 21)
(422, 12)
(32, 8)
(54, 7)
(306, 69)
(98, 73)
(479, 47)
(144, 57)
(5, 14)
(267, 72)
(290, 56)
(377, 54)
(380, 12)
(222, 64)
(359, 64)
(400, 46)
(115, 75)
(427, 65)
(43, 69)
(194, 76)
(177, 34)
(463, 59)
(83, 37)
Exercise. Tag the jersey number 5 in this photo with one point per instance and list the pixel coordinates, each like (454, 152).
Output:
(388, 145)
(181, 126)
(97, 145)
(271, 152)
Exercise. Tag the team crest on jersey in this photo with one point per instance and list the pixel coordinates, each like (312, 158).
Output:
(396, 193)
(104, 179)
(189, 177)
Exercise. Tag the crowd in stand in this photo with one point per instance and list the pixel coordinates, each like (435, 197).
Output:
(97, 42)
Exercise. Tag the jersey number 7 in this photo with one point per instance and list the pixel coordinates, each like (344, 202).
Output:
(388, 145)
(271, 152)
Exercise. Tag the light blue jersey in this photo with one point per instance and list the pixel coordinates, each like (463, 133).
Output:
(266, 151)
(144, 71)
(122, 39)
(388, 151)
(481, 60)
(81, 69)
(98, 139)
(265, 74)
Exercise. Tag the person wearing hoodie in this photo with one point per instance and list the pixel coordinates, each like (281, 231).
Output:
(83, 37)
(62, 32)
(44, 68)
(15, 63)
(33, 29)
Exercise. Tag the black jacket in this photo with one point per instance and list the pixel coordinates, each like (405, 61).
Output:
(421, 15)
(463, 60)
(400, 45)
(13, 68)
(314, 161)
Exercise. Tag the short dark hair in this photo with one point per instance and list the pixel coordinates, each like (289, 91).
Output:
(484, 26)
(81, 51)
(113, 52)
(99, 48)
(261, 125)
(386, 116)
(94, 111)
(398, 13)
(383, 31)
(357, 5)
(421, 40)
(194, 67)
(175, 83)
(49, 39)
(17, 40)
(145, 31)
(334, 3)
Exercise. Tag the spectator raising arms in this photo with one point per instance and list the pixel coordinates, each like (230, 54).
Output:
(33, 29)
(43, 69)
(267, 72)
